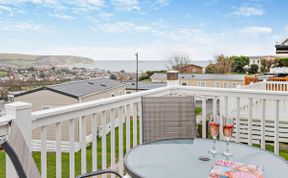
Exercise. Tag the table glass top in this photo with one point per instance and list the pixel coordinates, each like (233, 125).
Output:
(179, 158)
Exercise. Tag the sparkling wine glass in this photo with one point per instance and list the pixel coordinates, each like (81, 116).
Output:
(214, 130)
(228, 126)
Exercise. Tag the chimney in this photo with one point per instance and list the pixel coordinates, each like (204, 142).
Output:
(172, 78)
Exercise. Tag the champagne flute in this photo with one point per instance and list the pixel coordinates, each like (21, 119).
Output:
(228, 126)
(214, 130)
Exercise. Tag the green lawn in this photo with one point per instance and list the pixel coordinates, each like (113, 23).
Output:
(3, 73)
(282, 153)
(51, 157)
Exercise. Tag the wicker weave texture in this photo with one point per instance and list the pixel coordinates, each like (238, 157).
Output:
(168, 117)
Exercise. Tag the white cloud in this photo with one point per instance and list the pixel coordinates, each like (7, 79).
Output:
(6, 10)
(163, 2)
(71, 5)
(126, 5)
(122, 27)
(255, 30)
(98, 3)
(63, 16)
(160, 30)
(105, 15)
(247, 12)
(22, 26)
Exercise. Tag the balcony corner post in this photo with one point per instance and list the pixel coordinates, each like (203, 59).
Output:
(21, 112)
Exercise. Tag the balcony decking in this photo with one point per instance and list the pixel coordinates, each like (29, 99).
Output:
(243, 104)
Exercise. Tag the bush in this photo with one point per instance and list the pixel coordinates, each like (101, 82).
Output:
(283, 62)
(143, 77)
(150, 73)
(238, 63)
(253, 69)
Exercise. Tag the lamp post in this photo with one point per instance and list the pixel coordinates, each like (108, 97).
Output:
(136, 54)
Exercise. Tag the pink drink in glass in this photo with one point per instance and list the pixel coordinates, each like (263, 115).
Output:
(214, 129)
(228, 130)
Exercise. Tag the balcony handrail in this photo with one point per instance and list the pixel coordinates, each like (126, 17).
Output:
(211, 91)
(276, 82)
(54, 115)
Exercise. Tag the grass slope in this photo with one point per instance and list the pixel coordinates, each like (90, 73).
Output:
(17, 59)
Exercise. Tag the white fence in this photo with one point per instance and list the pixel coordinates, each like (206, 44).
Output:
(127, 109)
(268, 85)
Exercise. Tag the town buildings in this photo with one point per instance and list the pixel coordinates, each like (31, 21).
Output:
(204, 80)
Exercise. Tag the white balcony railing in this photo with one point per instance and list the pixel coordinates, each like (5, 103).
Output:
(111, 113)
(268, 85)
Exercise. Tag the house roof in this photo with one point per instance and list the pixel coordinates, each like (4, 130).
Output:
(202, 76)
(284, 42)
(81, 88)
(268, 56)
(144, 85)
(188, 65)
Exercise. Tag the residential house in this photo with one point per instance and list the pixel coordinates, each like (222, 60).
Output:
(282, 48)
(189, 69)
(258, 59)
(204, 80)
(66, 94)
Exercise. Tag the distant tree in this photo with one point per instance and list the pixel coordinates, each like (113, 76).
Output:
(150, 73)
(122, 71)
(223, 65)
(178, 61)
(253, 69)
(282, 62)
(210, 69)
(144, 77)
(113, 77)
(31, 69)
(266, 64)
(238, 63)
(42, 75)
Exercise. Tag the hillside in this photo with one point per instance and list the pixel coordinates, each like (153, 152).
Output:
(29, 60)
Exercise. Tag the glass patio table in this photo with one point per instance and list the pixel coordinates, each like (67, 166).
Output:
(178, 158)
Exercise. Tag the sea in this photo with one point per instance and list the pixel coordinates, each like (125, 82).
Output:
(130, 65)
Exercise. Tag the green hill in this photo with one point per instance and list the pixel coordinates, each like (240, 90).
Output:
(30, 60)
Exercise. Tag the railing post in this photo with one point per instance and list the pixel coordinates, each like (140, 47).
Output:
(204, 117)
(237, 119)
(21, 111)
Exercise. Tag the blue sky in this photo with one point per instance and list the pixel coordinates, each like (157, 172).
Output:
(158, 29)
